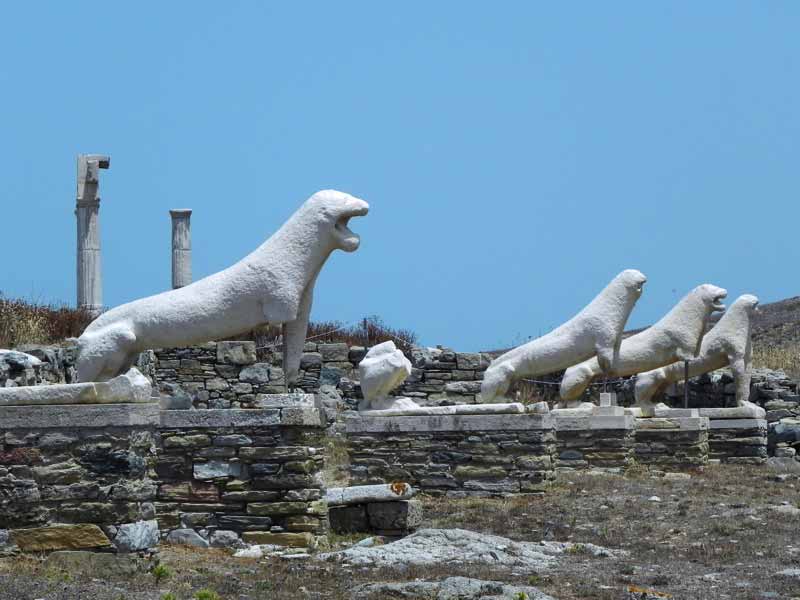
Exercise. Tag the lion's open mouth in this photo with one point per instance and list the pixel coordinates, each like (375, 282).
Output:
(348, 238)
(718, 303)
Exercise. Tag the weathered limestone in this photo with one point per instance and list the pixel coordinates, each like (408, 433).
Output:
(593, 439)
(380, 371)
(595, 331)
(87, 212)
(181, 247)
(677, 336)
(274, 284)
(132, 387)
(728, 343)
(364, 494)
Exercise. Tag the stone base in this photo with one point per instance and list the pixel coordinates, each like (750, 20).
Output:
(747, 410)
(589, 440)
(460, 455)
(116, 477)
(742, 441)
(678, 442)
(456, 409)
(396, 518)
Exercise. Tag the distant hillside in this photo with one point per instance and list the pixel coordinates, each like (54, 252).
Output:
(778, 323)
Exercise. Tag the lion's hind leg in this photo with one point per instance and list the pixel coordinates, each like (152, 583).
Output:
(496, 381)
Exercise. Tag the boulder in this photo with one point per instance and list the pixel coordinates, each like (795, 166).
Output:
(186, 537)
(136, 536)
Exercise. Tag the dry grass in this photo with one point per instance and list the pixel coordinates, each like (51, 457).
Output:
(785, 358)
(24, 322)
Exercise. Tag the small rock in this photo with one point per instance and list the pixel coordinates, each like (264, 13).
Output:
(654, 499)
(186, 537)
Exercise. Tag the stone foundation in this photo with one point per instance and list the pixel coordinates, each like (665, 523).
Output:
(119, 477)
(457, 456)
(676, 442)
(253, 474)
(594, 441)
(79, 477)
(738, 440)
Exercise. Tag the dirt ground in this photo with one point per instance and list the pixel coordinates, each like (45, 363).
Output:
(722, 533)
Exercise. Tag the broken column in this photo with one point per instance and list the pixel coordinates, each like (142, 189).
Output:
(87, 212)
(181, 247)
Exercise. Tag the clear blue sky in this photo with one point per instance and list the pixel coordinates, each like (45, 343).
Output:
(516, 155)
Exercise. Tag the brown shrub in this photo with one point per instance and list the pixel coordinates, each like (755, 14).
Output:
(24, 322)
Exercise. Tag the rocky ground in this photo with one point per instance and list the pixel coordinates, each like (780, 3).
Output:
(728, 532)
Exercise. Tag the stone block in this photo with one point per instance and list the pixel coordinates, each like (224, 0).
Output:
(349, 519)
(403, 515)
(60, 537)
(334, 352)
(257, 373)
(132, 537)
(186, 537)
(236, 353)
(217, 468)
(292, 540)
(276, 509)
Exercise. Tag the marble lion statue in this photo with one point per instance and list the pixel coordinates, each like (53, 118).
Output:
(727, 344)
(596, 330)
(273, 284)
(677, 336)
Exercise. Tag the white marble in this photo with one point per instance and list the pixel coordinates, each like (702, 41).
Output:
(181, 247)
(273, 284)
(676, 336)
(745, 410)
(595, 331)
(131, 387)
(87, 214)
(727, 344)
(363, 494)
(383, 369)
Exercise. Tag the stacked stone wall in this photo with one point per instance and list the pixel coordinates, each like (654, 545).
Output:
(254, 475)
(672, 443)
(121, 477)
(742, 441)
(486, 455)
(78, 477)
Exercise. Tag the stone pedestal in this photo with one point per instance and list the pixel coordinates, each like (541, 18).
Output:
(79, 477)
(603, 438)
(181, 247)
(87, 212)
(254, 474)
(671, 442)
(742, 441)
(456, 456)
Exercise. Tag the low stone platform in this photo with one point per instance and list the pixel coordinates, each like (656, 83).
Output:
(674, 442)
(78, 477)
(253, 474)
(587, 440)
(119, 477)
(741, 441)
(457, 456)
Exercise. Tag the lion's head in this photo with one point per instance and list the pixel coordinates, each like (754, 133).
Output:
(747, 303)
(712, 296)
(333, 210)
(633, 281)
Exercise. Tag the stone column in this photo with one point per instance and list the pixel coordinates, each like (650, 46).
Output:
(181, 247)
(87, 212)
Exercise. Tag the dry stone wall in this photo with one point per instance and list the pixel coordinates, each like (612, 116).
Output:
(118, 478)
(480, 455)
